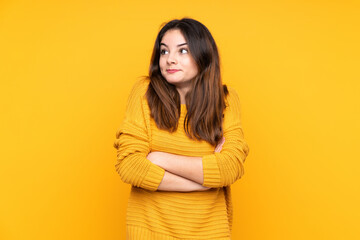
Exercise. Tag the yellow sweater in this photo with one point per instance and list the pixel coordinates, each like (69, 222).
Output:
(160, 215)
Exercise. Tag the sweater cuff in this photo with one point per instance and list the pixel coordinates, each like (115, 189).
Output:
(153, 177)
(211, 171)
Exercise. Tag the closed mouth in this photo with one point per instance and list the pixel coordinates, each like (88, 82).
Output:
(172, 70)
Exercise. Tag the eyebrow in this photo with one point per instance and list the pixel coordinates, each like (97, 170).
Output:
(179, 45)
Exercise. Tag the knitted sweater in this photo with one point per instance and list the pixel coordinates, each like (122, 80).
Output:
(164, 215)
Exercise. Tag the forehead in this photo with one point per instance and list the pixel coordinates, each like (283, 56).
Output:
(173, 37)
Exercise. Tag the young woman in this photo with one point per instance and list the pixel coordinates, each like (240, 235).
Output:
(181, 143)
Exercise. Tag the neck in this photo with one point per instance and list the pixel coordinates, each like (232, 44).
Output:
(182, 90)
(182, 94)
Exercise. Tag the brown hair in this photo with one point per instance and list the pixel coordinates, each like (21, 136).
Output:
(205, 102)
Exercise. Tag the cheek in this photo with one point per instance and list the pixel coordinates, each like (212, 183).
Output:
(193, 67)
(162, 64)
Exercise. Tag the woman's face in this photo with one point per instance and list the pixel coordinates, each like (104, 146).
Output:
(177, 65)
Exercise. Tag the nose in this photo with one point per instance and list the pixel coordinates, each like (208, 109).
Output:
(171, 59)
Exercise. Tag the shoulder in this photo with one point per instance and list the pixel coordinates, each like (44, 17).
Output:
(139, 88)
(137, 103)
(232, 110)
(232, 99)
(138, 92)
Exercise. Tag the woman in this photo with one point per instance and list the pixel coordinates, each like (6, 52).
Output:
(181, 144)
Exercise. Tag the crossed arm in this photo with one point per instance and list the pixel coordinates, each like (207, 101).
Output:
(176, 183)
(167, 172)
(182, 173)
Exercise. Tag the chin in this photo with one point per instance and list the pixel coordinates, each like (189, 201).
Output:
(173, 81)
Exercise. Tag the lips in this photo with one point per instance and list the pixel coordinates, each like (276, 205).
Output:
(172, 70)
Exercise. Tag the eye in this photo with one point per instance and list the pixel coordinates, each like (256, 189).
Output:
(163, 51)
(184, 50)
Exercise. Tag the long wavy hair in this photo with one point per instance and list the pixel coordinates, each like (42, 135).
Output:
(205, 102)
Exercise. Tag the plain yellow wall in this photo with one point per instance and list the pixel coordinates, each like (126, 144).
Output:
(66, 68)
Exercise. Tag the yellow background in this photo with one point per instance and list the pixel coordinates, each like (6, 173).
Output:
(66, 68)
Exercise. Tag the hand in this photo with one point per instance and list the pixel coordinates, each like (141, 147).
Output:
(202, 188)
(220, 144)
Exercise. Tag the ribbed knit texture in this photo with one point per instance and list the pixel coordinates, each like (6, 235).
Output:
(160, 215)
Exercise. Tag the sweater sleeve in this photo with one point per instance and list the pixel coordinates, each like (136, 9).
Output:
(224, 168)
(133, 144)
